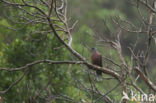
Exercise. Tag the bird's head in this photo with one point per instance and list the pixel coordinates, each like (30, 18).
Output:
(94, 49)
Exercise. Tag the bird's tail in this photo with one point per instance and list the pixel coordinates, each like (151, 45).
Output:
(99, 75)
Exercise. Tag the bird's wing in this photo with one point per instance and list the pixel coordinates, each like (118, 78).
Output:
(97, 59)
(100, 57)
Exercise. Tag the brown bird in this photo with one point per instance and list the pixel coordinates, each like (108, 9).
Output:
(96, 59)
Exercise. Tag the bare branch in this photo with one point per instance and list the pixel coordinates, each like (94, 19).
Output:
(146, 80)
(41, 61)
(14, 83)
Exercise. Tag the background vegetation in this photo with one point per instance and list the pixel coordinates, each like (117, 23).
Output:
(21, 44)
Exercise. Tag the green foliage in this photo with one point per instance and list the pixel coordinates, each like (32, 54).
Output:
(107, 13)
(22, 46)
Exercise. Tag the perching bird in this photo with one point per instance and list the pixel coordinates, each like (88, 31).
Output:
(96, 59)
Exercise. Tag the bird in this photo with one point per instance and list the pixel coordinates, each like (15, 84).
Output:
(96, 59)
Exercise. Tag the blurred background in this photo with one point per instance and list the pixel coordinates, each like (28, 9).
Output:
(93, 15)
(19, 46)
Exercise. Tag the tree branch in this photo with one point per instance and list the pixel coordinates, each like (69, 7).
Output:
(41, 61)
